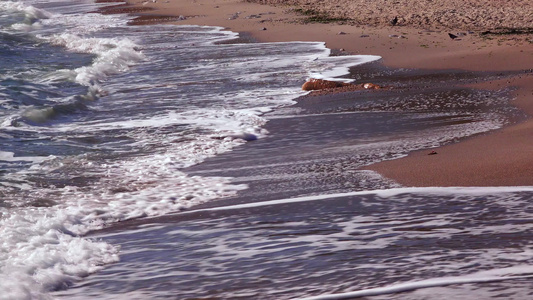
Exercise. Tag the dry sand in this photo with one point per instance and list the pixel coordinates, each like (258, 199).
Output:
(451, 14)
(419, 40)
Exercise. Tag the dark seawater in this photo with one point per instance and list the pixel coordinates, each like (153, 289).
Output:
(147, 162)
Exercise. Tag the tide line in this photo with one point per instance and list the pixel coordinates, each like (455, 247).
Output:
(409, 286)
(433, 191)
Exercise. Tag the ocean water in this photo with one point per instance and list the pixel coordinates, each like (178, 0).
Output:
(166, 161)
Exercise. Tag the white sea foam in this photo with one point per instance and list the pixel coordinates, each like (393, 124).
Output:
(39, 252)
(32, 13)
(10, 156)
(340, 67)
(113, 56)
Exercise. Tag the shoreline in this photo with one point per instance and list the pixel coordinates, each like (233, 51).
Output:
(499, 158)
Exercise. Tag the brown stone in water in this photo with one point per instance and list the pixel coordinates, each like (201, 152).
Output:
(371, 86)
(320, 84)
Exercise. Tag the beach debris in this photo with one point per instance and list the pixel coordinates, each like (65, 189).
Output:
(371, 86)
(341, 33)
(394, 21)
(397, 36)
(452, 36)
(432, 153)
(314, 84)
(264, 28)
(364, 35)
(234, 16)
(181, 18)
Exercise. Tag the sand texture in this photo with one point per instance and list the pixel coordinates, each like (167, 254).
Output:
(451, 14)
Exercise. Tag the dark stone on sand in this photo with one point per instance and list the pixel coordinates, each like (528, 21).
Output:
(394, 21)
(452, 36)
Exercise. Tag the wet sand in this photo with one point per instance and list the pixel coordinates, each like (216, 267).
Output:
(496, 159)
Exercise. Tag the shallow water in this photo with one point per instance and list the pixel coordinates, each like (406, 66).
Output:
(101, 123)
(471, 241)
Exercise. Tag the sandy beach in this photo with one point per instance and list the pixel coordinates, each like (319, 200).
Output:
(480, 43)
